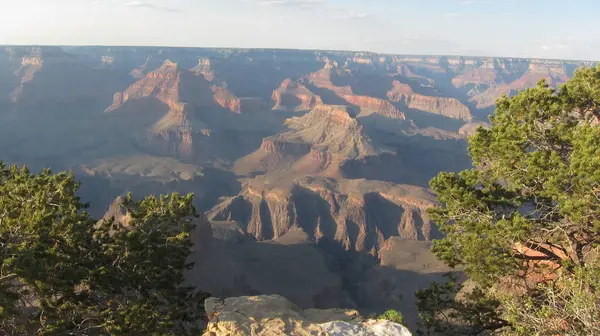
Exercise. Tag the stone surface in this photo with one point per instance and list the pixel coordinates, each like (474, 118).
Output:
(367, 328)
(293, 96)
(448, 107)
(368, 105)
(273, 315)
(358, 215)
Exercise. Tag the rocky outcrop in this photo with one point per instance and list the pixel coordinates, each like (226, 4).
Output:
(176, 127)
(487, 79)
(116, 212)
(221, 93)
(368, 105)
(174, 86)
(358, 215)
(554, 73)
(293, 96)
(140, 71)
(470, 128)
(58, 76)
(322, 79)
(332, 129)
(448, 107)
(182, 92)
(476, 76)
(30, 65)
(162, 83)
(273, 315)
(315, 143)
(487, 97)
(405, 71)
(276, 145)
(108, 60)
(494, 77)
(226, 99)
(204, 68)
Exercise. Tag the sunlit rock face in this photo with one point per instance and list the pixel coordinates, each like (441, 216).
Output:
(273, 315)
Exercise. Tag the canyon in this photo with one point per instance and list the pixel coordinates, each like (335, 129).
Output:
(310, 168)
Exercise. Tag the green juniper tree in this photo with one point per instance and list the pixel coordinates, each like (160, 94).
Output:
(392, 316)
(524, 224)
(64, 273)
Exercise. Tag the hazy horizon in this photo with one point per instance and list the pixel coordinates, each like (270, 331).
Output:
(548, 29)
(293, 49)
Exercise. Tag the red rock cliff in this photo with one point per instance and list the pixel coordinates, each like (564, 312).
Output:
(368, 105)
(448, 107)
(293, 96)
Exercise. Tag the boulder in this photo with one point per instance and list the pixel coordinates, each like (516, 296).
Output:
(274, 315)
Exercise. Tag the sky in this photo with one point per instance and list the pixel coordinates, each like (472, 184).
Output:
(512, 28)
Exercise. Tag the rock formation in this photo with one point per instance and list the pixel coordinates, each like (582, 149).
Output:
(315, 143)
(405, 71)
(226, 99)
(273, 315)
(140, 71)
(470, 128)
(476, 76)
(222, 95)
(331, 129)
(293, 96)
(183, 93)
(30, 65)
(493, 78)
(204, 68)
(178, 124)
(448, 107)
(358, 215)
(368, 105)
(162, 83)
(175, 86)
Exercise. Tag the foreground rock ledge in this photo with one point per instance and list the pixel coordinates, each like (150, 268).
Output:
(274, 315)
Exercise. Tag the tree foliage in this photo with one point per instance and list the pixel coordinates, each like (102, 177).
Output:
(392, 315)
(64, 273)
(524, 224)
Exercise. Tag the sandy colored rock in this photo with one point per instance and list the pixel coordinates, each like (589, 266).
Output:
(470, 128)
(493, 78)
(273, 315)
(293, 96)
(358, 215)
(448, 107)
(315, 143)
(367, 328)
(368, 105)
